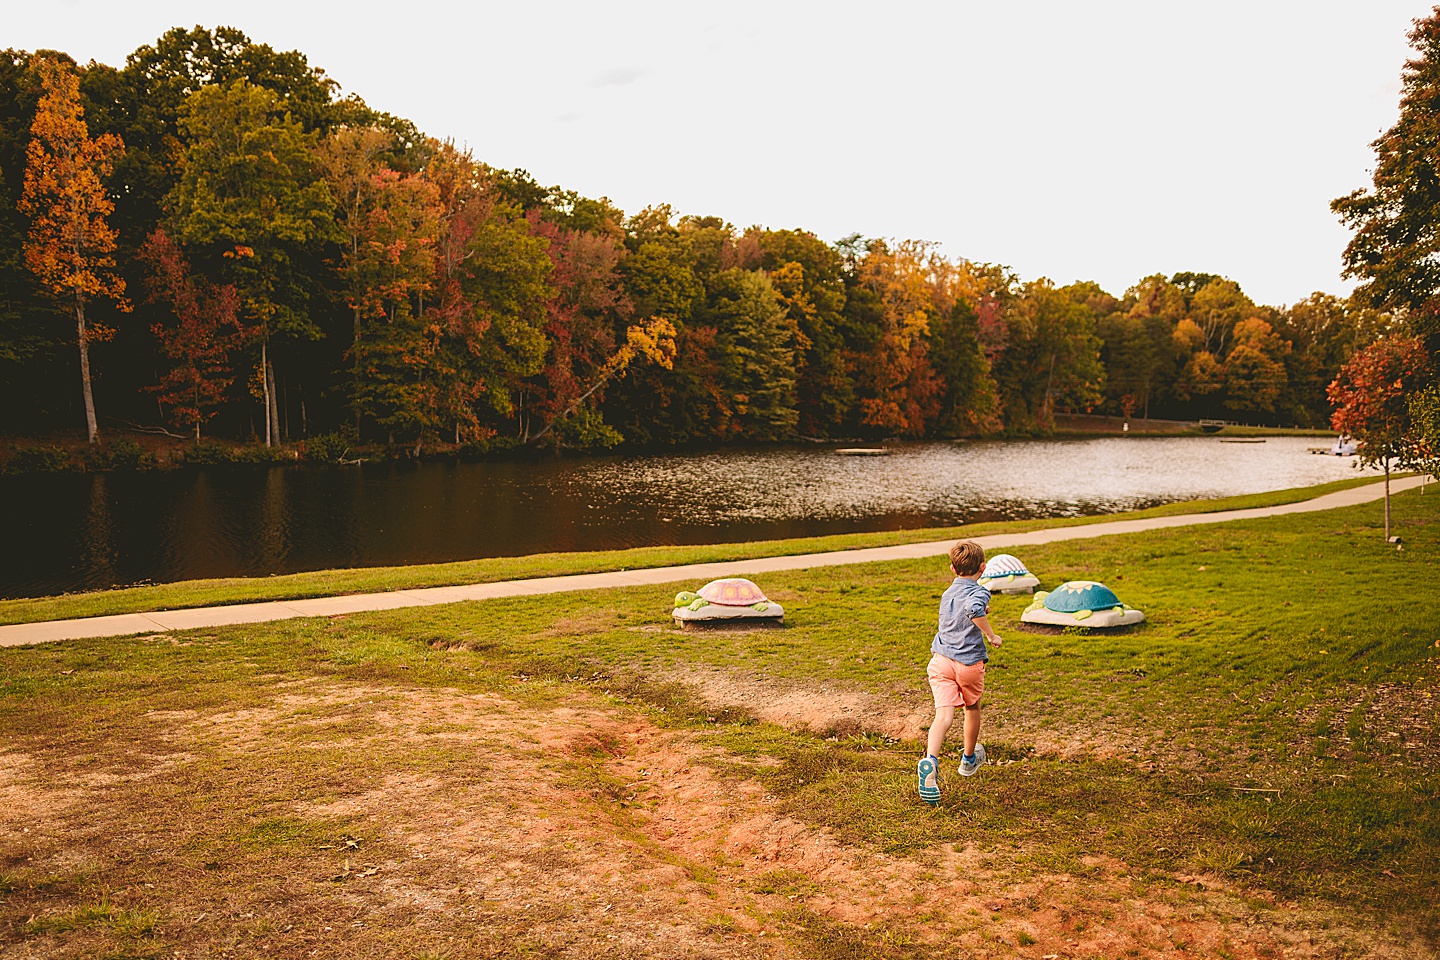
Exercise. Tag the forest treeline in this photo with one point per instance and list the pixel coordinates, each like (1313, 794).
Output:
(235, 250)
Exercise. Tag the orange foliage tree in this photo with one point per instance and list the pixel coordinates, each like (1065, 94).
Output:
(70, 243)
(1371, 397)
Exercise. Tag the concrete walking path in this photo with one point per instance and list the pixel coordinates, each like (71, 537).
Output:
(199, 617)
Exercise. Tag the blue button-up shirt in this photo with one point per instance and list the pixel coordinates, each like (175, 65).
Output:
(958, 638)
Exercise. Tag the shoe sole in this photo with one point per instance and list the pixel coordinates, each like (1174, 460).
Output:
(930, 795)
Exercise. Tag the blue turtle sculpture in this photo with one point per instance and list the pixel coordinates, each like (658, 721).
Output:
(1081, 603)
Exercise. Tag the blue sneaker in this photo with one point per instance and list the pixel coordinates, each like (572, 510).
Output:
(928, 770)
(969, 766)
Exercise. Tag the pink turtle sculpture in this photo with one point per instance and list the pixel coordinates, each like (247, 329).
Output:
(731, 601)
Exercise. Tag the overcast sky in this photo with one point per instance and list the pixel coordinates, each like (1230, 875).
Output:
(1073, 140)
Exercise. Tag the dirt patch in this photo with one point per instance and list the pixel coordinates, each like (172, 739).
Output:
(466, 824)
(825, 709)
(845, 711)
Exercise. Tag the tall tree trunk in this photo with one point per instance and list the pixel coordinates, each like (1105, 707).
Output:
(272, 408)
(92, 430)
(265, 384)
(1049, 417)
(355, 372)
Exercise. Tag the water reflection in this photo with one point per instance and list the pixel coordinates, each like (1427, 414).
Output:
(83, 532)
(97, 541)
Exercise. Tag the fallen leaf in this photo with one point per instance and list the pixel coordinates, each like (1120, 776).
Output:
(66, 673)
(1389, 874)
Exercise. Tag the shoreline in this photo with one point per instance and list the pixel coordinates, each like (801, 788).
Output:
(142, 452)
(638, 564)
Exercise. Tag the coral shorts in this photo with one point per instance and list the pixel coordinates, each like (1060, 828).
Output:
(956, 684)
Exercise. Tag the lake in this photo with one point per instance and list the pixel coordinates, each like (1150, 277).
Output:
(86, 531)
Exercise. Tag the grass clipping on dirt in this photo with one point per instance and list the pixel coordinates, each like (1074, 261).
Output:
(325, 583)
(1252, 773)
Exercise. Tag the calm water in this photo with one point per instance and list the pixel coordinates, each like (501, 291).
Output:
(81, 532)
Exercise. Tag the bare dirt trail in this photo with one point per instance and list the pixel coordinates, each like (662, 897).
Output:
(372, 820)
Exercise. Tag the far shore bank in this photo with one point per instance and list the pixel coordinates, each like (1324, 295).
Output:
(131, 449)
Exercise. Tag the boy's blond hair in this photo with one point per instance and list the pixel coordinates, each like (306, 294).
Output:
(967, 558)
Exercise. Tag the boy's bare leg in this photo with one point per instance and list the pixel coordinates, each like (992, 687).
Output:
(944, 716)
(972, 729)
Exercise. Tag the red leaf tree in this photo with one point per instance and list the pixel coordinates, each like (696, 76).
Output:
(206, 330)
(1371, 398)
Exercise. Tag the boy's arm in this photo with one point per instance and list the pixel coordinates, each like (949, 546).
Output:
(983, 622)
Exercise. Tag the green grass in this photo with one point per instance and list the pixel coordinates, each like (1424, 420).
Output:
(322, 583)
(1242, 431)
(1273, 723)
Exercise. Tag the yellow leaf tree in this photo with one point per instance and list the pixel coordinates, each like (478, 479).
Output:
(70, 244)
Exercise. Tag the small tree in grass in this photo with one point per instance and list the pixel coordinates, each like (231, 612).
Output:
(1371, 396)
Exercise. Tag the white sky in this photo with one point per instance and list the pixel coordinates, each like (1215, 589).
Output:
(1072, 140)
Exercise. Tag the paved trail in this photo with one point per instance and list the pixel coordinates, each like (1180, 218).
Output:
(160, 621)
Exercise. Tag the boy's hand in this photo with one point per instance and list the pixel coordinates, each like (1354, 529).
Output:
(995, 641)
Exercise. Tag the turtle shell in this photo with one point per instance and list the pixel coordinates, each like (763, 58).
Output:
(732, 592)
(1081, 595)
(1003, 565)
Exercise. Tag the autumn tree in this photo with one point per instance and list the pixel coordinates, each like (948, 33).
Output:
(492, 287)
(1216, 308)
(205, 331)
(150, 91)
(1395, 250)
(1137, 343)
(1052, 356)
(1372, 401)
(652, 341)
(1324, 332)
(758, 341)
(807, 273)
(252, 202)
(582, 317)
(686, 403)
(1255, 375)
(70, 242)
(390, 222)
(896, 385)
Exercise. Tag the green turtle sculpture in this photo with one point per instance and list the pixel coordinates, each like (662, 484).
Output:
(1081, 603)
(729, 601)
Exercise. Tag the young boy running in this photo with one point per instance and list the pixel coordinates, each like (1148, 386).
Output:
(957, 667)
